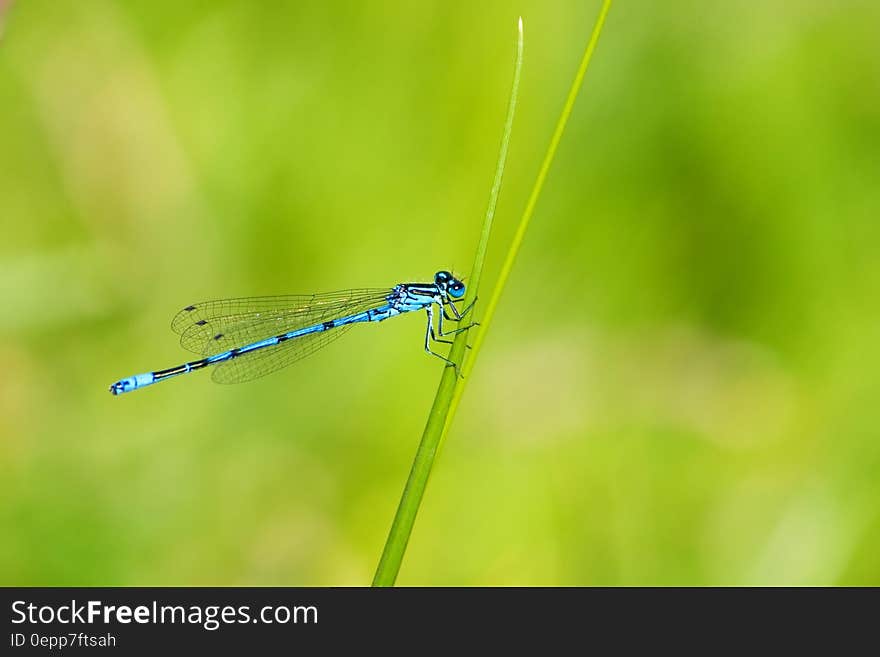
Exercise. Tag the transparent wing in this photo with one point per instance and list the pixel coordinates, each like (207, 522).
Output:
(264, 361)
(210, 327)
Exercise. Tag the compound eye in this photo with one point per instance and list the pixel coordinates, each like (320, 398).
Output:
(456, 289)
(442, 277)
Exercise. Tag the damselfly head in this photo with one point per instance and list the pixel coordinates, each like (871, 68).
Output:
(445, 281)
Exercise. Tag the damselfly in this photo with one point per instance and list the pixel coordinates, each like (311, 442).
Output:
(247, 338)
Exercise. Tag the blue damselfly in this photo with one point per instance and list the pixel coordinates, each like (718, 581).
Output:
(247, 338)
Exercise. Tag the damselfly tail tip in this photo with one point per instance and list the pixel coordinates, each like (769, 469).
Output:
(130, 383)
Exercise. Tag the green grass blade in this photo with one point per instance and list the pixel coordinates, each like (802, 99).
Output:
(401, 528)
(513, 251)
(451, 386)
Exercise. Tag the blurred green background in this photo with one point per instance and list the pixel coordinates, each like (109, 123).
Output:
(681, 384)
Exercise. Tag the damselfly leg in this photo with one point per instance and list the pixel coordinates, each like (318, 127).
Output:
(458, 315)
(457, 318)
(429, 335)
